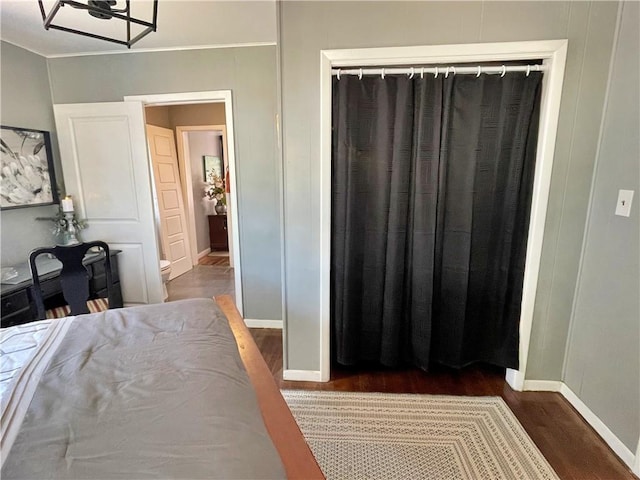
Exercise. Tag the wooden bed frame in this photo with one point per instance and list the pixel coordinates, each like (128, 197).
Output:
(296, 456)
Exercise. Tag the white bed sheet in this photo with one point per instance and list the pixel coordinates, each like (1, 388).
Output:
(25, 351)
(18, 345)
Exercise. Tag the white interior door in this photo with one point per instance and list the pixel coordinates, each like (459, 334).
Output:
(103, 147)
(173, 221)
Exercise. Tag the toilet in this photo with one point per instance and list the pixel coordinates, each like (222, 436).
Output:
(165, 272)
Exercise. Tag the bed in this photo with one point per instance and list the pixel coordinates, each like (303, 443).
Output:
(176, 390)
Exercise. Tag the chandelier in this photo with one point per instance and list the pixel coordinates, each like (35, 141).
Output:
(131, 29)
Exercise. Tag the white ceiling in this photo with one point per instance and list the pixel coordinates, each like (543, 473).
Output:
(181, 24)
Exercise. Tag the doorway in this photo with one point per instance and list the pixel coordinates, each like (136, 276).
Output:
(553, 56)
(202, 152)
(210, 114)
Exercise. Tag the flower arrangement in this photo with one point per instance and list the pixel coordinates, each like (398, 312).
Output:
(215, 188)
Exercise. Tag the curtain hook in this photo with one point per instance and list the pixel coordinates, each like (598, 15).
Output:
(360, 75)
(504, 70)
(338, 75)
(422, 72)
(436, 75)
(453, 69)
(446, 75)
(528, 70)
(412, 73)
(382, 74)
(479, 71)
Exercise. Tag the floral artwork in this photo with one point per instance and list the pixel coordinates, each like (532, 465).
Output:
(211, 164)
(26, 168)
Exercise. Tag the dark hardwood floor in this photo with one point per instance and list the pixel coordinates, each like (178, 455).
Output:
(568, 443)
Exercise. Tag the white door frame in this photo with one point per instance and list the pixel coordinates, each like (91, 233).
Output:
(184, 160)
(214, 96)
(553, 53)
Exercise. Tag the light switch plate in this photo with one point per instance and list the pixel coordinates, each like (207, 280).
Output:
(623, 207)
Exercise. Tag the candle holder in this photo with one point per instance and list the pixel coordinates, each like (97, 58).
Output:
(70, 233)
(66, 226)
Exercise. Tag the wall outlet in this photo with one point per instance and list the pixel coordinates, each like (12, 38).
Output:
(623, 207)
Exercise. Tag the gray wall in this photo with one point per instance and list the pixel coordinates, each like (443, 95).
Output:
(250, 72)
(308, 27)
(25, 101)
(603, 356)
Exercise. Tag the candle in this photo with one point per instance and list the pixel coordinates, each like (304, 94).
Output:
(67, 204)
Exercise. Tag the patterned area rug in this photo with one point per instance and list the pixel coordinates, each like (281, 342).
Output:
(389, 436)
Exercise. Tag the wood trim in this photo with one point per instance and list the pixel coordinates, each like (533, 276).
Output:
(262, 323)
(625, 454)
(152, 50)
(542, 386)
(610, 438)
(302, 375)
(296, 456)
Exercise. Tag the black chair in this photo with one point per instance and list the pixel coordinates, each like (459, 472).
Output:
(74, 280)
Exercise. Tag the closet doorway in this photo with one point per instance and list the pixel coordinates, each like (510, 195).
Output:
(432, 180)
(552, 55)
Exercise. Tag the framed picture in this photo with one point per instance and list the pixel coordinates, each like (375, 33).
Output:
(27, 178)
(211, 163)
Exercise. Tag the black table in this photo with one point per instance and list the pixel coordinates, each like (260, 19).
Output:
(16, 300)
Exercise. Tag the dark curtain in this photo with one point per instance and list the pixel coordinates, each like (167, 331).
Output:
(431, 191)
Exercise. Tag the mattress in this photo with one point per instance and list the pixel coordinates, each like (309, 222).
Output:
(157, 391)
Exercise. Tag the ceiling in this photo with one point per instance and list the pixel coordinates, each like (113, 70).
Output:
(181, 24)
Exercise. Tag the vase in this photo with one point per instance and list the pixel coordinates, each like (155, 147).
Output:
(209, 206)
(221, 209)
(70, 233)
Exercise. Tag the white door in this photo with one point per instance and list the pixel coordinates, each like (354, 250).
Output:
(173, 221)
(103, 147)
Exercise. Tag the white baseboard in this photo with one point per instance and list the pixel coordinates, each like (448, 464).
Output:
(636, 465)
(302, 375)
(204, 253)
(258, 323)
(598, 425)
(515, 379)
(543, 385)
(626, 455)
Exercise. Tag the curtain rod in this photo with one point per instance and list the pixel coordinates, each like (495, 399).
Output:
(439, 70)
